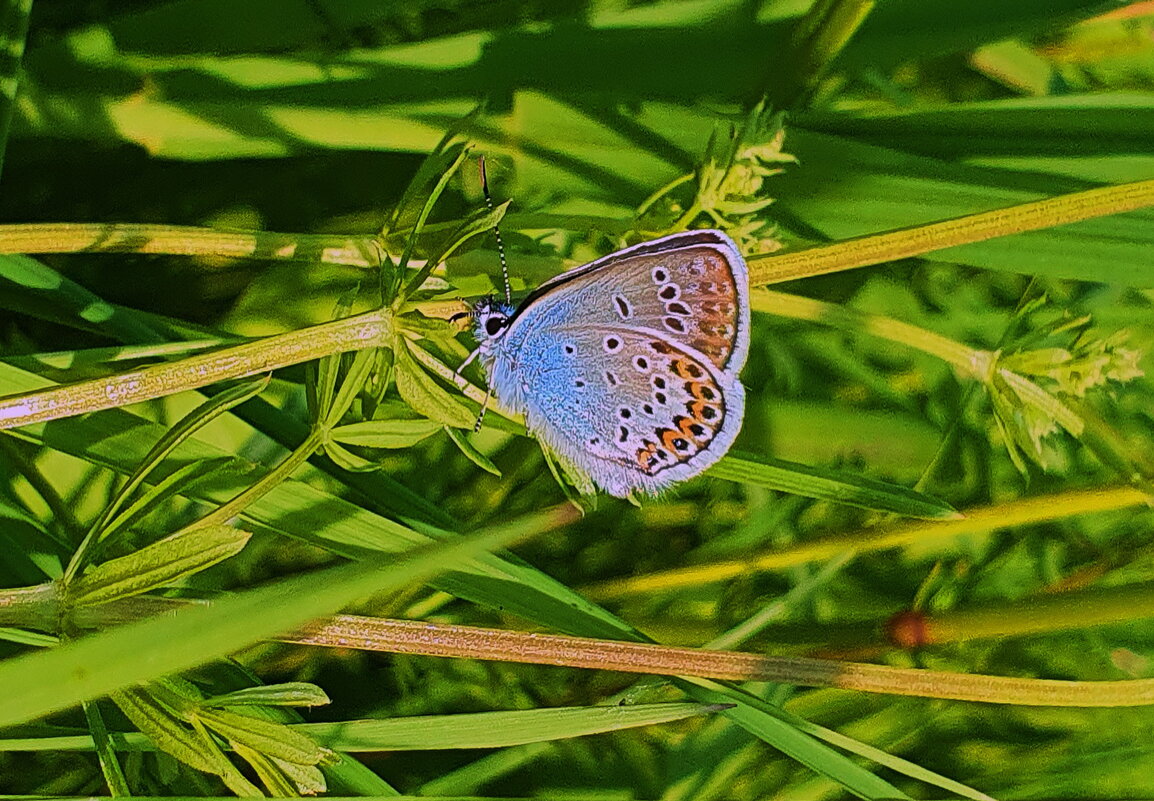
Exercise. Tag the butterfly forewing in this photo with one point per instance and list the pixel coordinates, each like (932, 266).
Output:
(691, 288)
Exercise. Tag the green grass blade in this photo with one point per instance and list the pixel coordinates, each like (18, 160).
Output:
(852, 188)
(13, 35)
(767, 723)
(431, 732)
(109, 762)
(46, 681)
(831, 485)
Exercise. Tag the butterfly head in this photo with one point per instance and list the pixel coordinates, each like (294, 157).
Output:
(490, 318)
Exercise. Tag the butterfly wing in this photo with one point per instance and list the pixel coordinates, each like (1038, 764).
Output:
(692, 288)
(631, 409)
(627, 366)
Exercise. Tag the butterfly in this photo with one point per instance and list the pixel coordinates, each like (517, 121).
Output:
(626, 368)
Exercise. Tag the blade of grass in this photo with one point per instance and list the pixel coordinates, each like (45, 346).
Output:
(46, 681)
(831, 485)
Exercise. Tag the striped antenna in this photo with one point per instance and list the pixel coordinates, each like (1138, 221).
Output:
(496, 233)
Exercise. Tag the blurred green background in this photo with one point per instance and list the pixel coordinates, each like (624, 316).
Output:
(313, 116)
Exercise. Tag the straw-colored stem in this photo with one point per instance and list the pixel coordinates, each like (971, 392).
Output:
(367, 330)
(430, 639)
(434, 639)
(863, 251)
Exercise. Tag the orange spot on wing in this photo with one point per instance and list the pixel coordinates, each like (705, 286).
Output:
(687, 369)
(647, 456)
(685, 426)
(701, 391)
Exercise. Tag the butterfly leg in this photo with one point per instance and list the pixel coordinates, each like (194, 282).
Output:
(481, 414)
(458, 379)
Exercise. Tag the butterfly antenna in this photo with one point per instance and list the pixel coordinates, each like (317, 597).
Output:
(496, 232)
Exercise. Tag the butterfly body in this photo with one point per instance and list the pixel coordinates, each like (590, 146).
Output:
(627, 367)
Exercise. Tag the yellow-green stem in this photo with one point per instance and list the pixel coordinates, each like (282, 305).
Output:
(1043, 614)
(877, 248)
(976, 521)
(968, 361)
(181, 240)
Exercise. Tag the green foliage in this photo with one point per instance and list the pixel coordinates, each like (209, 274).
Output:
(602, 124)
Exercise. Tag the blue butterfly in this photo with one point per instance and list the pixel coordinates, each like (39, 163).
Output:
(627, 367)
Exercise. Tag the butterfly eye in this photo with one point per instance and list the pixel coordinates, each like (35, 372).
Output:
(494, 324)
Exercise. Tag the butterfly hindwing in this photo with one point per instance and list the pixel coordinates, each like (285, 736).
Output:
(630, 408)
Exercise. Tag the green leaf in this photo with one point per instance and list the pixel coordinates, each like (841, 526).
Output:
(33, 638)
(168, 442)
(443, 159)
(26, 282)
(495, 729)
(831, 485)
(347, 460)
(169, 734)
(461, 440)
(157, 565)
(269, 773)
(351, 385)
(308, 778)
(175, 483)
(266, 736)
(394, 433)
(13, 36)
(117, 439)
(292, 693)
(391, 289)
(479, 222)
(106, 754)
(442, 732)
(850, 188)
(424, 394)
(774, 726)
(900, 31)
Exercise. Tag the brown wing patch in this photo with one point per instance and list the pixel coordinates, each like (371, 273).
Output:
(689, 294)
(699, 300)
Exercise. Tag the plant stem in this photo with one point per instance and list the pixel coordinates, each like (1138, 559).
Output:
(268, 482)
(31, 607)
(1041, 614)
(970, 362)
(183, 240)
(433, 639)
(367, 330)
(468, 642)
(1019, 512)
(870, 249)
